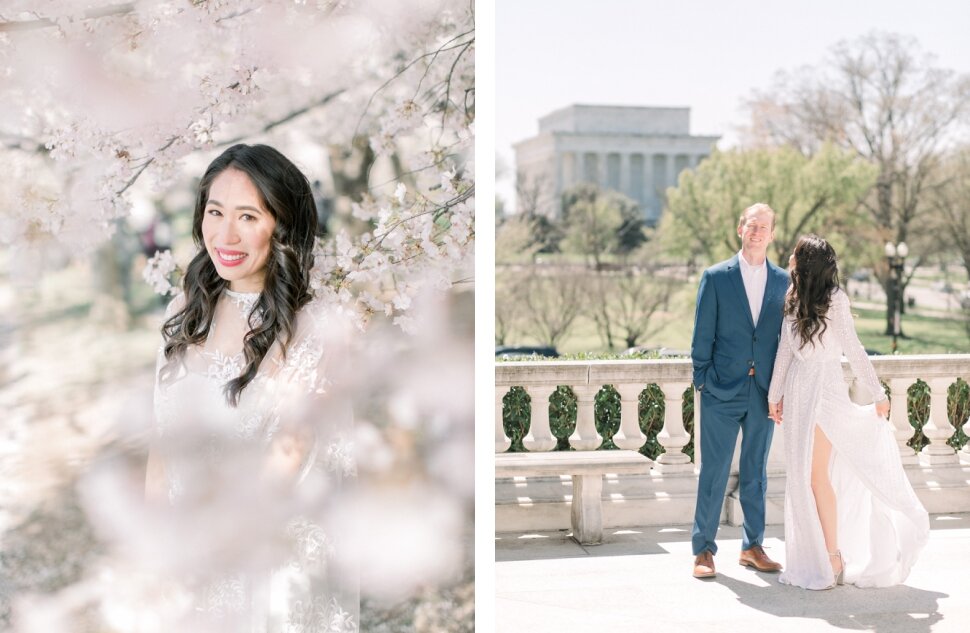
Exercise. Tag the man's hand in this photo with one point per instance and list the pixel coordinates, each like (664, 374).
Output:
(882, 408)
(774, 410)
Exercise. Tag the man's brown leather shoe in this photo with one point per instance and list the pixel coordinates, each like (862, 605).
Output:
(704, 565)
(756, 557)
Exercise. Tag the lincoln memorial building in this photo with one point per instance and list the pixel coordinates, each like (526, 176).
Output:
(638, 151)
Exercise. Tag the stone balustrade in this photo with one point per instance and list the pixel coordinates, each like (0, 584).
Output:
(936, 467)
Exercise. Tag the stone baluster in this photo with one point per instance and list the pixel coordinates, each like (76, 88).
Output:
(629, 436)
(853, 386)
(673, 437)
(540, 437)
(502, 442)
(899, 417)
(585, 437)
(938, 428)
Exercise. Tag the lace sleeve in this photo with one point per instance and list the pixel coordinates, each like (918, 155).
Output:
(315, 414)
(852, 347)
(156, 478)
(783, 358)
(313, 404)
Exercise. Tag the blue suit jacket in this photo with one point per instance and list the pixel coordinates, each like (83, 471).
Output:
(726, 344)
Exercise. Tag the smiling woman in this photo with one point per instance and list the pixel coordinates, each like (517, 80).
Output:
(243, 401)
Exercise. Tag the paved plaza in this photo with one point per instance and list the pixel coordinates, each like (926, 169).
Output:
(640, 580)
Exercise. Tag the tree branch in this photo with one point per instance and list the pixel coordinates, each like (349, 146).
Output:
(11, 26)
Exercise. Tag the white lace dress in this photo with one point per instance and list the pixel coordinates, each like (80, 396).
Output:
(882, 527)
(263, 553)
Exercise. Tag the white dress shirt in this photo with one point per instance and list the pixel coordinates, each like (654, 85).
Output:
(755, 279)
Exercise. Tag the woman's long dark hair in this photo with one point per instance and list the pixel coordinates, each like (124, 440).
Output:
(814, 277)
(286, 194)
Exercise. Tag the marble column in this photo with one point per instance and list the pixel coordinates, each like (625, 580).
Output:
(671, 171)
(558, 178)
(625, 176)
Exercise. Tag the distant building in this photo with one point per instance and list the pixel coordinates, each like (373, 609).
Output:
(638, 151)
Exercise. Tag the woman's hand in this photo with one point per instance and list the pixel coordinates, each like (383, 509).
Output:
(287, 452)
(774, 410)
(882, 408)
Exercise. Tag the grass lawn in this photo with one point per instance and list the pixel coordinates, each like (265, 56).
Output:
(925, 334)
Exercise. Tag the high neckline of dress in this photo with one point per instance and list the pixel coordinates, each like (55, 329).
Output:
(244, 300)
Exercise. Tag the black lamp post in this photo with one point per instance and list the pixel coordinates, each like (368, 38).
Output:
(896, 256)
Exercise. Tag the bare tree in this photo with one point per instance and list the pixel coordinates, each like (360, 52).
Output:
(639, 298)
(509, 312)
(552, 299)
(882, 98)
(530, 192)
(627, 304)
(516, 239)
(952, 200)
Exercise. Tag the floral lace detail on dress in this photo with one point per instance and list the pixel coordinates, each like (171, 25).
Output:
(223, 367)
(312, 546)
(243, 300)
(223, 596)
(301, 365)
(340, 458)
(319, 616)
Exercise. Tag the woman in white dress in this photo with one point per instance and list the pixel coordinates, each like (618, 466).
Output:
(251, 447)
(850, 512)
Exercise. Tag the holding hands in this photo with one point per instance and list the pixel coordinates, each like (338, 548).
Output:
(774, 410)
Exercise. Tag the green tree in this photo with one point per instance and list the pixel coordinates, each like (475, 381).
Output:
(809, 194)
(600, 222)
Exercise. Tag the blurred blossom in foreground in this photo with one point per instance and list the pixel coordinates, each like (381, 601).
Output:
(404, 525)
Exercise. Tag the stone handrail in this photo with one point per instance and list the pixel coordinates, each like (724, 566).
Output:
(673, 376)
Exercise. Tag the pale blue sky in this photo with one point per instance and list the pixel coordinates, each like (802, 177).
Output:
(704, 54)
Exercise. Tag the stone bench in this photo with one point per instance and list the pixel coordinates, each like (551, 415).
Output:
(587, 469)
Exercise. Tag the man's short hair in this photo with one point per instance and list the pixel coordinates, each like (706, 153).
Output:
(754, 208)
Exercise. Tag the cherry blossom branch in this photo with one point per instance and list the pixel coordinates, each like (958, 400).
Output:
(443, 47)
(436, 210)
(285, 119)
(43, 23)
(143, 167)
(445, 156)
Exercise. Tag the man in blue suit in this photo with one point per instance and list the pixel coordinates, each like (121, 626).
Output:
(736, 331)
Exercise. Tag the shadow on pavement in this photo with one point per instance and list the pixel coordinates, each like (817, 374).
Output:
(845, 607)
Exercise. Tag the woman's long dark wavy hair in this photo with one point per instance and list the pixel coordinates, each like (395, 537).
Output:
(814, 277)
(286, 194)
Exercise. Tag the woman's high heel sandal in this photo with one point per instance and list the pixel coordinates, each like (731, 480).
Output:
(839, 577)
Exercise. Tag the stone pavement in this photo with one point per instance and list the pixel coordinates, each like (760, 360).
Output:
(640, 580)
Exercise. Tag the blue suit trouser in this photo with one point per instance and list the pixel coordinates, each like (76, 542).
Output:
(721, 420)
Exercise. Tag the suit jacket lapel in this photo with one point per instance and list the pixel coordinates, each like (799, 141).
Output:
(772, 287)
(734, 272)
